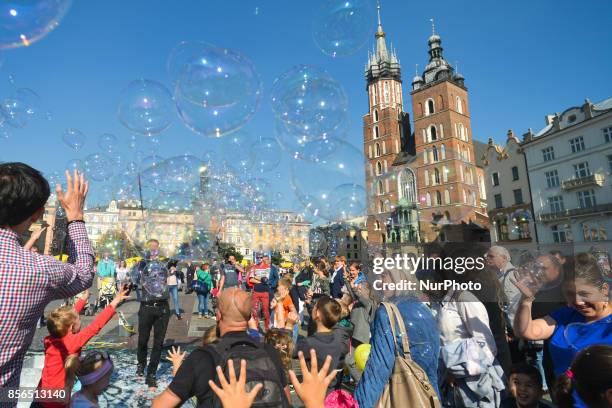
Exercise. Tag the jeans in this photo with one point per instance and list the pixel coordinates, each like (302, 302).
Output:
(156, 318)
(173, 289)
(261, 300)
(203, 304)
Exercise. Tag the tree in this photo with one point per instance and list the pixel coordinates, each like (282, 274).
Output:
(225, 250)
(117, 243)
(276, 258)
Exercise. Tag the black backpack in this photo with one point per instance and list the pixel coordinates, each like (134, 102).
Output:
(260, 369)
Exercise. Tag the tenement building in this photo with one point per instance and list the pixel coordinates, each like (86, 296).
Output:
(570, 171)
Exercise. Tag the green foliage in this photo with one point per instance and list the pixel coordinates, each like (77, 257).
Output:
(225, 250)
(116, 243)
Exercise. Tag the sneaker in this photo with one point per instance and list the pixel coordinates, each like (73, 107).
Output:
(201, 316)
(140, 370)
(151, 382)
(179, 317)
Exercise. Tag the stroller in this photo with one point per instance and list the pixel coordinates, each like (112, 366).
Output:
(107, 290)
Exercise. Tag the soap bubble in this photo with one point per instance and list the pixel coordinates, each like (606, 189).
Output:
(182, 174)
(217, 89)
(348, 201)
(75, 164)
(18, 108)
(342, 27)
(25, 22)
(345, 166)
(146, 107)
(310, 103)
(236, 147)
(74, 138)
(98, 167)
(173, 203)
(133, 141)
(265, 155)
(107, 142)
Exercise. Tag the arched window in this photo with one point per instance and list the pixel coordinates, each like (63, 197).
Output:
(375, 115)
(379, 187)
(446, 197)
(407, 186)
(381, 206)
(464, 197)
(433, 133)
(461, 176)
(436, 176)
(425, 156)
(447, 215)
(430, 107)
(434, 151)
(445, 174)
(428, 200)
(376, 135)
(459, 105)
(426, 177)
(386, 91)
(378, 168)
(374, 94)
(438, 198)
(474, 198)
(377, 150)
(443, 151)
(376, 226)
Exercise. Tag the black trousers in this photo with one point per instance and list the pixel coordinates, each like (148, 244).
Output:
(156, 318)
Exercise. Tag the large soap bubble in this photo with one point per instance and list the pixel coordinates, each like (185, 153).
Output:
(146, 107)
(236, 148)
(74, 138)
(316, 193)
(342, 27)
(310, 103)
(217, 90)
(25, 22)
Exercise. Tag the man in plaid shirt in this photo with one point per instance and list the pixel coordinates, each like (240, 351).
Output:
(29, 281)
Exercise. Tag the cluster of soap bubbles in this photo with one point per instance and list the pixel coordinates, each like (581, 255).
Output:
(311, 122)
(18, 107)
(25, 22)
(342, 27)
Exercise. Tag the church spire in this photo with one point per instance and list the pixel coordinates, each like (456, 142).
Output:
(381, 45)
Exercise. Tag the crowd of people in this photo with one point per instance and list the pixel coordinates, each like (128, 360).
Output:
(539, 334)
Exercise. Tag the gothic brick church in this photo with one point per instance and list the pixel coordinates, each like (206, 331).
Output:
(423, 185)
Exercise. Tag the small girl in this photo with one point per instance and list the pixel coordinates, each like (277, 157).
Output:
(66, 338)
(281, 340)
(94, 372)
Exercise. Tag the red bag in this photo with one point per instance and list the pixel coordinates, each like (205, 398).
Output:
(214, 292)
(340, 399)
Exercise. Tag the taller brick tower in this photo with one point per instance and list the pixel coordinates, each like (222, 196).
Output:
(386, 132)
(447, 180)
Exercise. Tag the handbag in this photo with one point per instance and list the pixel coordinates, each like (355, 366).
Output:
(408, 385)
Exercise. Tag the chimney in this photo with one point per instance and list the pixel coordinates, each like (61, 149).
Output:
(528, 137)
(556, 122)
(510, 134)
(490, 142)
(587, 108)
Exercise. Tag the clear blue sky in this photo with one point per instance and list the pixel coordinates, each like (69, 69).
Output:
(521, 60)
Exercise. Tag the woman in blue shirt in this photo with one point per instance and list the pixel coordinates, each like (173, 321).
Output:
(585, 321)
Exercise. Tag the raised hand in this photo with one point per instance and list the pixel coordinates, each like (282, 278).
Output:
(176, 358)
(233, 394)
(121, 295)
(313, 388)
(73, 200)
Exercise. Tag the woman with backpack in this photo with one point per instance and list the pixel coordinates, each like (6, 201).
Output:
(202, 286)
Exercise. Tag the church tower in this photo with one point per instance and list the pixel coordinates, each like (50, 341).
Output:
(447, 177)
(386, 132)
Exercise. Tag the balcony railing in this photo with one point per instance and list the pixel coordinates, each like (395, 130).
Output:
(576, 212)
(595, 179)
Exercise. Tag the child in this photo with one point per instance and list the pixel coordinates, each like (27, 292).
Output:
(281, 340)
(282, 304)
(326, 341)
(66, 338)
(525, 385)
(94, 372)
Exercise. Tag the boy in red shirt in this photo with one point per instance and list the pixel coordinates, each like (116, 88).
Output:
(66, 338)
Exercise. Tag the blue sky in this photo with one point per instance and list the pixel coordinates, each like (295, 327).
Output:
(521, 59)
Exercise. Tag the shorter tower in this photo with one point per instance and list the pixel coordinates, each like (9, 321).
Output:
(447, 176)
